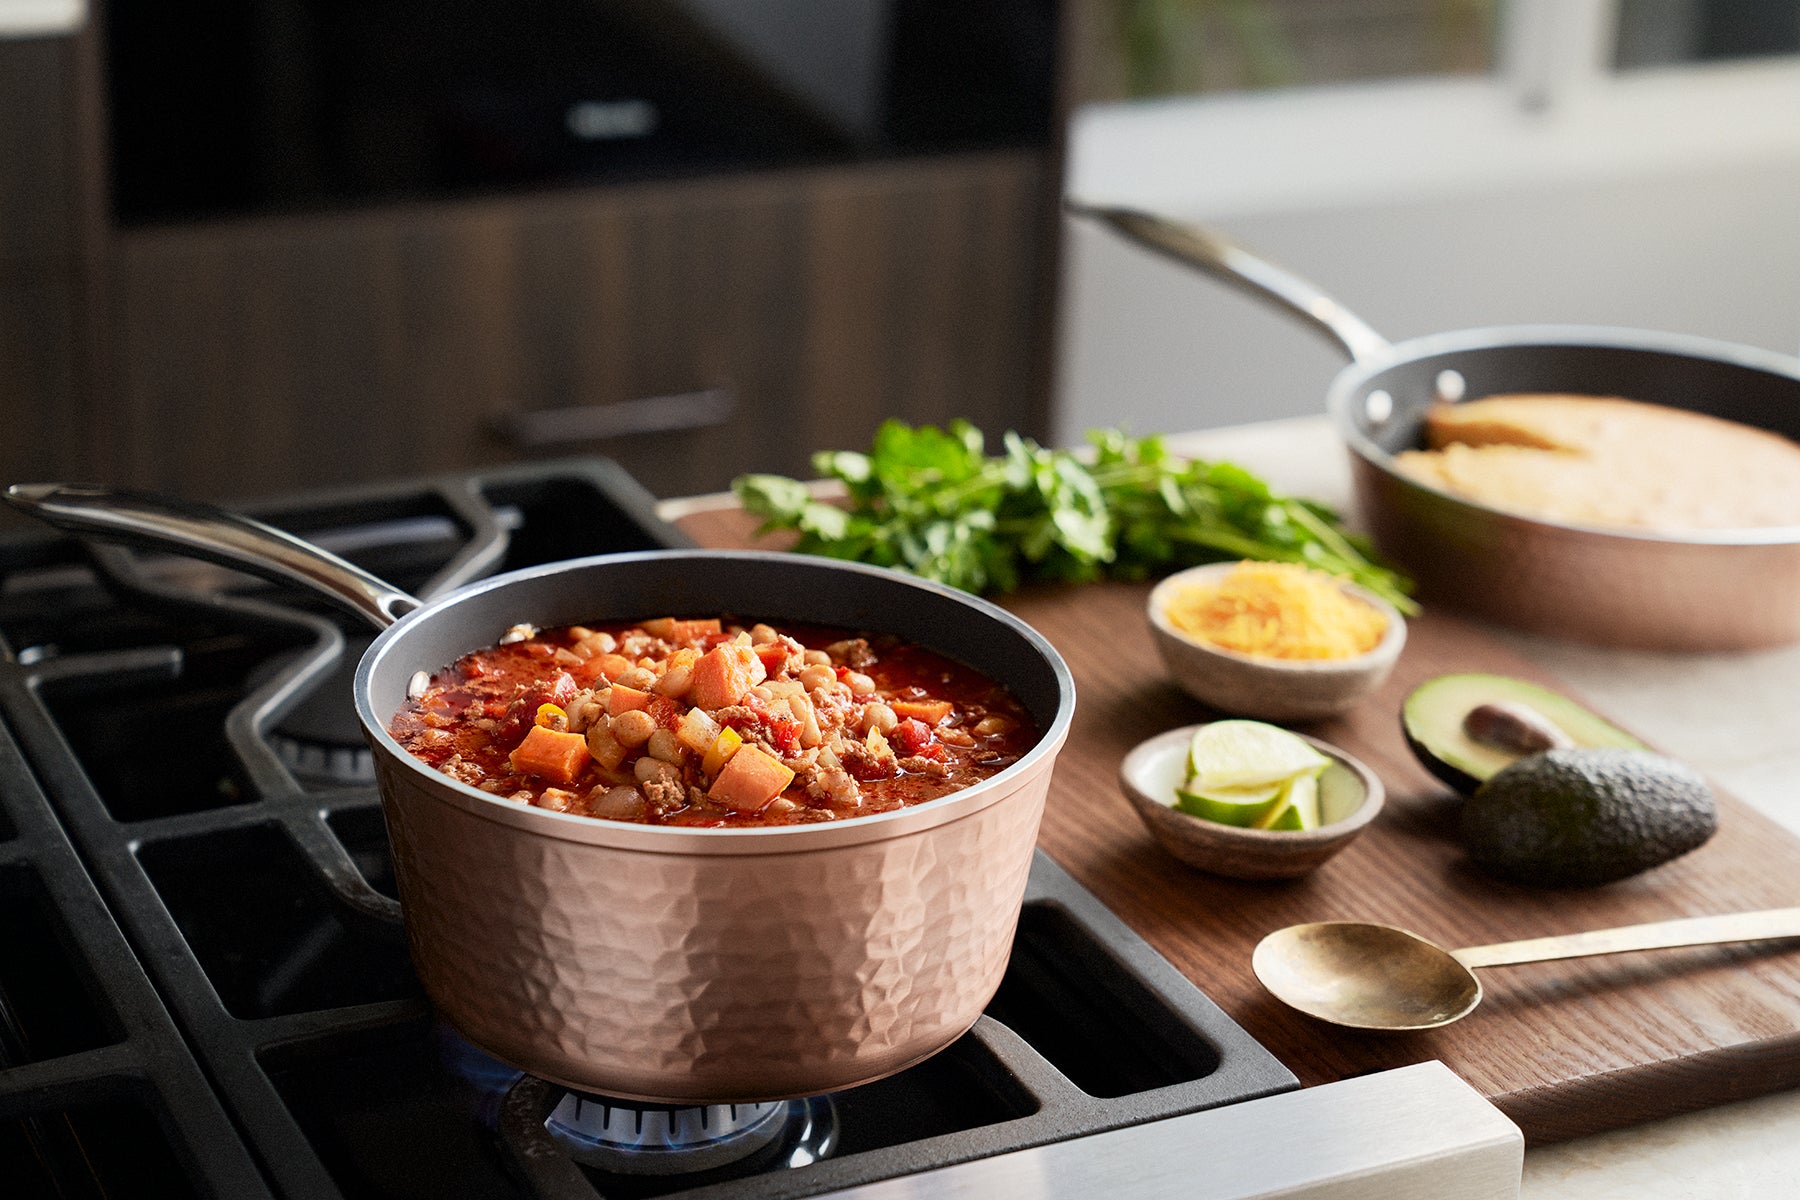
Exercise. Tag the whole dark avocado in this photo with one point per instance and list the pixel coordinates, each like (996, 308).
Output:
(1586, 816)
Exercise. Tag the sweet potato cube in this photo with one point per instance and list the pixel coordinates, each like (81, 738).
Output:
(932, 712)
(724, 674)
(671, 630)
(750, 779)
(620, 699)
(558, 757)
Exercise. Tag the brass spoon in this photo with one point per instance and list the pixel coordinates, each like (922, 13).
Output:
(1368, 976)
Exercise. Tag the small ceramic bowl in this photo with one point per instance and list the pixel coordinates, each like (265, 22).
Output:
(1269, 689)
(1349, 797)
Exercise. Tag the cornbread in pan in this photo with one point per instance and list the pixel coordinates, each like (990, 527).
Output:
(1595, 460)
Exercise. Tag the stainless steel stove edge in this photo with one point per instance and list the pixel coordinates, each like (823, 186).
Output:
(1413, 1133)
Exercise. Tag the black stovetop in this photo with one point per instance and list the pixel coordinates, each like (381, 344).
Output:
(204, 984)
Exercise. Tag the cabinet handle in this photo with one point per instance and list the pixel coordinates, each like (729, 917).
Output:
(541, 429)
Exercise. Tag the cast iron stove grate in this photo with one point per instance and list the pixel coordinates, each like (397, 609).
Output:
(204, 986)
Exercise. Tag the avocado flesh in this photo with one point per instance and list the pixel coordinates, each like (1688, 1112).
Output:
(1433, 718)
(1584, 817)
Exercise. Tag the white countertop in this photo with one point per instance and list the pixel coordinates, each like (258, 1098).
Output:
(1736, 717)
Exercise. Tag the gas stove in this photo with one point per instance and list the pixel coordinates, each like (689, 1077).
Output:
(204, 982)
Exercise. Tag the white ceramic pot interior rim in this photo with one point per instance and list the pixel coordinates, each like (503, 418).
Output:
(750, 584)
(1462, 349)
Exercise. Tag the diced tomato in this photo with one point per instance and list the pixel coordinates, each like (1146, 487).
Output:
(868, 770)
(474, 668)
(911, 736)
(665, 712)
(538, 649)
(784, 734)
(522, 713)
(935, 751)
(774, 656)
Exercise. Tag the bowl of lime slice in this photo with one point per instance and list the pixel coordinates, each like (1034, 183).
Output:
(1249, 800)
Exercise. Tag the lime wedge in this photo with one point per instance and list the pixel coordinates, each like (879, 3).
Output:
(1298, 807)
(1229, 806)
(1240, 755)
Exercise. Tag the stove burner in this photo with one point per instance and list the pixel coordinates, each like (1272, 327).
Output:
(320, 740)
(317, 764)
(626, 1140)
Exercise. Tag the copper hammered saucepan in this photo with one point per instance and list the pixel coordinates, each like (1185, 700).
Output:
(681, 966)
(1700, 590)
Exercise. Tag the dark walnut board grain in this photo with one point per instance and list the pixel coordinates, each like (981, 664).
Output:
(1564, 1048)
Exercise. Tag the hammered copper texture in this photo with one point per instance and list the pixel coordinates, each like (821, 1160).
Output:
(1601, 588)
(687, 978)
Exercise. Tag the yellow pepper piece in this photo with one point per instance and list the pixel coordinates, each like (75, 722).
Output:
(552, 717)
(723, 747)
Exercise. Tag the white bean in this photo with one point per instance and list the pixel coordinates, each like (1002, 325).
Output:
(633, 727)
(879, 716)
(641, 678)
(664, 745)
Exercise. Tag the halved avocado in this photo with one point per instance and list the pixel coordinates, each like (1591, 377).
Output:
(1435, 717)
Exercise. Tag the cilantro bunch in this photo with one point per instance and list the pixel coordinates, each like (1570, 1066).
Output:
(934, 502)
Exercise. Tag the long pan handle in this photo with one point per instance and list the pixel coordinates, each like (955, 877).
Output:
(216, 535)
(1232, 264)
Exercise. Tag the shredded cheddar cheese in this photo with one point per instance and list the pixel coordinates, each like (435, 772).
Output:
(1277, 610)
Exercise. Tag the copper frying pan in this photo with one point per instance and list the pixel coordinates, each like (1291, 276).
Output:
(1691, 591)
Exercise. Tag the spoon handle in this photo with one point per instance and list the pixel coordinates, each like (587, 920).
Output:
(1658, 935)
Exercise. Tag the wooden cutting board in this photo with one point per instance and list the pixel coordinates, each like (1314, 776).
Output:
(1564, 1048)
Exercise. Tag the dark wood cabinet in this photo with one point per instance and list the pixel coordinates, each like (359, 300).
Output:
(48, 426)
(738, 322)
(690, 329)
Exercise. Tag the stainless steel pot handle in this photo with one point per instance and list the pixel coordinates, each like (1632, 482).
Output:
(1229, 263)
(203, 531)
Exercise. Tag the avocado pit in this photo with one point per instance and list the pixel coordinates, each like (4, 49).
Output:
(1514, 727)
(1466, 728)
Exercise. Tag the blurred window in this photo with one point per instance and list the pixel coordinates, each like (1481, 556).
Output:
(1160, 48)
(1661, 33)
(1182, 47)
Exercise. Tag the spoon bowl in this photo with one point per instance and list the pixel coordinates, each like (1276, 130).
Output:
(1367, 976)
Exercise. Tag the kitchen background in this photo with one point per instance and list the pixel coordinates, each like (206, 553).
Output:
(257, 246)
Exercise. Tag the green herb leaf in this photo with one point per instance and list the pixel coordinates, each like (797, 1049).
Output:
(934, 502)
